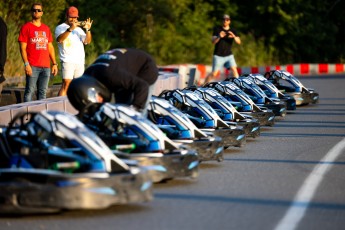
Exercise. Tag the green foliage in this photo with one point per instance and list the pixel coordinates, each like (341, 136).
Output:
(171, 31)
(254, 52)
(299, 31)
(14, 64)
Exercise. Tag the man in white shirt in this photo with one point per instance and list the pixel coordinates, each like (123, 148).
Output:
(71, 39)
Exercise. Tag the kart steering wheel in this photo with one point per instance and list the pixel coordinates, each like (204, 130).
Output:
(18, 124)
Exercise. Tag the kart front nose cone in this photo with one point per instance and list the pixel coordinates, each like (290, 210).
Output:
(219, 150)
(240, 137)
(254, 129)
(193, 164)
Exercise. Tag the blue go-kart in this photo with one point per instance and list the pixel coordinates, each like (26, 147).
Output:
(287, 83)
(242, 102)
(205, 117)
(178, 127)
(271, 90)
(132, 136)
(227, 111)
(50, 162)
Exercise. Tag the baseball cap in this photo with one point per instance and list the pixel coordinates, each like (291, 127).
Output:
(72, 12)
(226, 16)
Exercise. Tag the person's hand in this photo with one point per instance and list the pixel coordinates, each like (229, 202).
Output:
(28, 70)
(231, 34)
(88, 24)
(222, 34)
(54, 70)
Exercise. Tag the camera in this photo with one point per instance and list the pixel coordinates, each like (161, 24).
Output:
(82, 23)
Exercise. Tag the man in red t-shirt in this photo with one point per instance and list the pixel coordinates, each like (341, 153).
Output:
(36, 48)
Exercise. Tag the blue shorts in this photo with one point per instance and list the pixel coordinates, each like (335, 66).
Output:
(220, 62)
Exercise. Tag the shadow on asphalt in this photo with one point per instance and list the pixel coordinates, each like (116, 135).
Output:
(248, 201)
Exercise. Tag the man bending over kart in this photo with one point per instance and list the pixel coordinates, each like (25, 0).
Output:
(128, 73)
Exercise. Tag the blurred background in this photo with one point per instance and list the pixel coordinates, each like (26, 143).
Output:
(273, 32)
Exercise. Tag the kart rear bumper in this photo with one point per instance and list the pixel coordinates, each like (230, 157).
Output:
(231, 137)
(252, 129)
(167, 166)
(264, 118)
(279, 109)
(306, 98)
(208, 148)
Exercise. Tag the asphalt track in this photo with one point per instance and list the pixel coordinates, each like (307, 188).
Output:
(291, 177)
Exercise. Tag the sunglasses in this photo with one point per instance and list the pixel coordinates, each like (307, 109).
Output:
(36, 10)
(226, 19)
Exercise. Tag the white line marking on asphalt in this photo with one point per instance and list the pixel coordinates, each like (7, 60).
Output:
(305, 194)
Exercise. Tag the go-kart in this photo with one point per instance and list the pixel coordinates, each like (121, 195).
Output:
(289, 84)
(137, 138)
(227, 112)
(271, 90)
(204, 116)
(242, 102)
(259, 97)
(53, 162)
(178, 127)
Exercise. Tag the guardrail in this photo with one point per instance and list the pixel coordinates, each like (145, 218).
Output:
(7, 113)
(165, 81)
(15, 95)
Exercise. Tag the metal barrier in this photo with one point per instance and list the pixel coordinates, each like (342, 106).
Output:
(8, 112)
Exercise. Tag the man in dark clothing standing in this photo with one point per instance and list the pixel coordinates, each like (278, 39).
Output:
(128, 73)
(3, 51)
(223, 37)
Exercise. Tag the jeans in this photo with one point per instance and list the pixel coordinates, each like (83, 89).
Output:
(40, 78)
(220, 62)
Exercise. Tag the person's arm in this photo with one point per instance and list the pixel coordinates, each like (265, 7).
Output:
(61, 38)
(52, 58)
(217, 38)
(236, 38)
(23, 53)
(88, 37)
(87, 28)
(64, 35)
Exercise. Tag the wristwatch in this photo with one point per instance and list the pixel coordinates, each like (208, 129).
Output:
(55, 64)
(69, 30)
